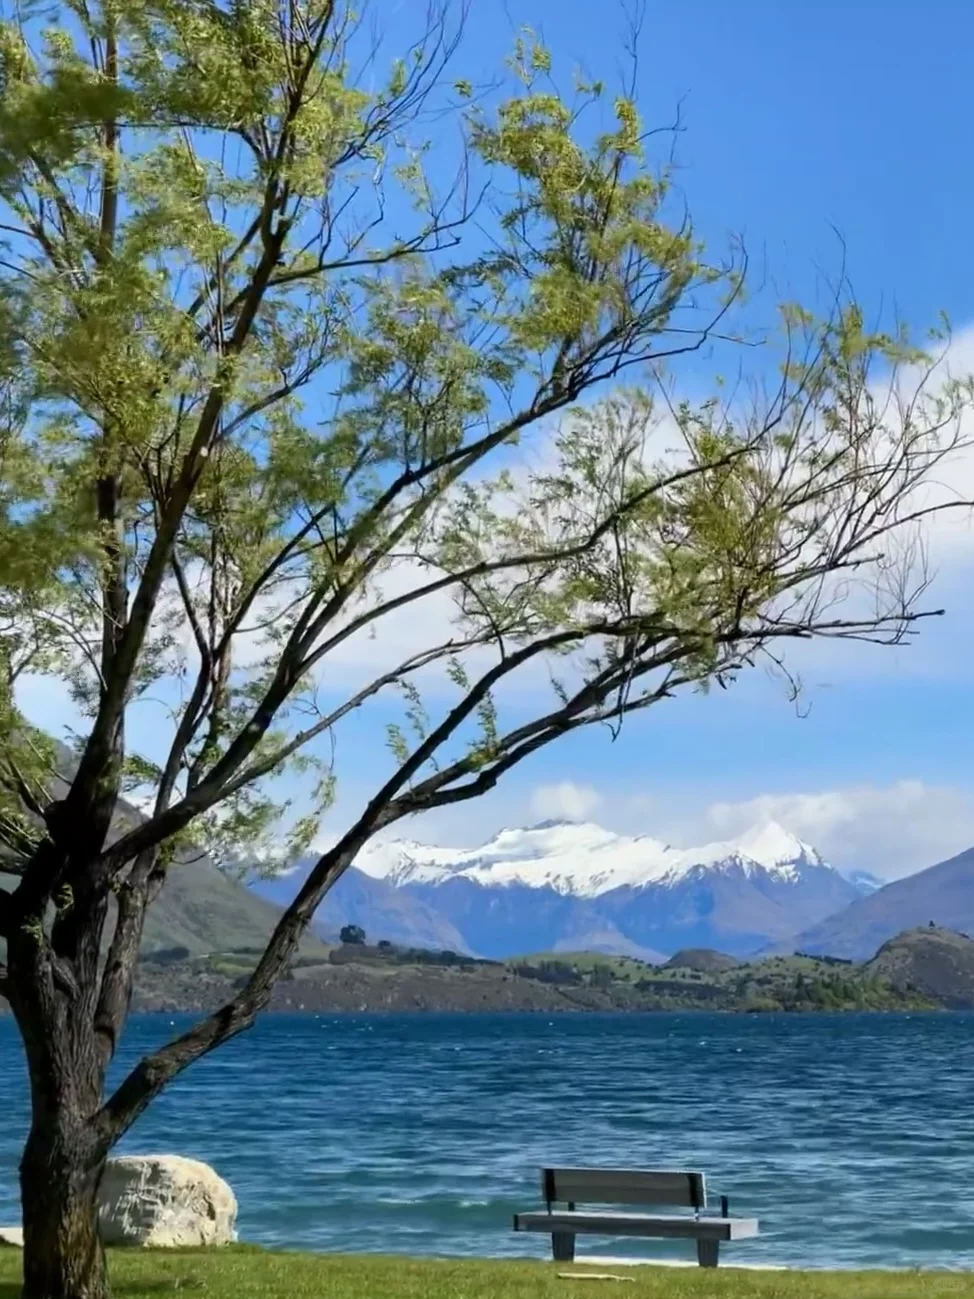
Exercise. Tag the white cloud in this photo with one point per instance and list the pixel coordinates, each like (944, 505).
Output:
(565, 801)
(890, 830)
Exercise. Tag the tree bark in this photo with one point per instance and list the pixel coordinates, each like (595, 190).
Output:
(60, 1173)
(51, 994)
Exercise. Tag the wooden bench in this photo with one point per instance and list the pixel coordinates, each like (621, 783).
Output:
(626, 1186)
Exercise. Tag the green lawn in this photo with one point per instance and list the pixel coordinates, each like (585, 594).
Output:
(242, 1273)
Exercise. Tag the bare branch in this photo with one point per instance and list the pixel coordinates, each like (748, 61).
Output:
(275, 760)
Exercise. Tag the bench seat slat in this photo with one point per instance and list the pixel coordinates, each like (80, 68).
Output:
(638, 1224)
(673, 1187)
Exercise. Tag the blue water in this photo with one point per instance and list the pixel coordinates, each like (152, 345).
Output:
(851, 1138)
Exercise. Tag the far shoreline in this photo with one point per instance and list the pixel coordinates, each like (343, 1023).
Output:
(578, 1012)
(920, 971)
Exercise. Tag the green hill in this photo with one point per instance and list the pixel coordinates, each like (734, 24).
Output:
(383, 978)
(389, 978)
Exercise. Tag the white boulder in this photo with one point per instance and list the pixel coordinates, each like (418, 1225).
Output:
(164, 1201)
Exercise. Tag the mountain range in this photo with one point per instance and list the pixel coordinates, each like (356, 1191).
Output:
(564, 886)
(568, 887)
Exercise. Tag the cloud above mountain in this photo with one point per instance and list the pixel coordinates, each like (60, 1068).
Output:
(890, 830)
(565, 800)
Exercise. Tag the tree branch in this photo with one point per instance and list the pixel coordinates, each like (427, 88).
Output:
(418, 661)
(6, 912)
(130, 643)
(135, 896)
(19, 842)
(295, 659)
(152, 1074)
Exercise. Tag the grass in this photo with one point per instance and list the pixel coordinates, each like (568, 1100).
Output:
(783, 983)
(625, 968)
(247, 1273)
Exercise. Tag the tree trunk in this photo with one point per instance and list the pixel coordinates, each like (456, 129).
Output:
(53, 989)
(59, 1176)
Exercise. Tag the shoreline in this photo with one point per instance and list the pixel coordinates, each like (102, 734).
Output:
(570, 1012)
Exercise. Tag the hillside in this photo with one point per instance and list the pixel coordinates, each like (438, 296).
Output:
(201, 910)
(937, 963)
(563, 886)
(374, 904)
(918, 971)
(204, 910)
(386, 978)
(701, 958)
(943, 894)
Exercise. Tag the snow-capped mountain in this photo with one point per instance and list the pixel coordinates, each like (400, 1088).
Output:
(583, 860)
(564, 886)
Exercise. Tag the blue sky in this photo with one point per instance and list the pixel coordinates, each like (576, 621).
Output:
(817, 133)
(799, 121)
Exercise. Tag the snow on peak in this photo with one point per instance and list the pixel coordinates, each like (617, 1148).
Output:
(772, 845)
(768, 845)
(864, 881)
(586, 860)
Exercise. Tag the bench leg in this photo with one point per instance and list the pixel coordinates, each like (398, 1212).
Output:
(708, 1252)
(563, 1246)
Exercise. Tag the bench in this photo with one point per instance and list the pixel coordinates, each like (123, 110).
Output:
(626, 1186)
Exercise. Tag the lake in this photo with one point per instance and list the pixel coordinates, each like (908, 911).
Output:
(851, 1137)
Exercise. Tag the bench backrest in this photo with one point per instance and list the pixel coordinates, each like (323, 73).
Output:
(623, 1186)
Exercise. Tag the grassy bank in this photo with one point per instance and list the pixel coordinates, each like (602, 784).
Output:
(253, 1274)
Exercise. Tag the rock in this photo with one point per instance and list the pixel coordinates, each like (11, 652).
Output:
(165, 1201)
(12, 1236)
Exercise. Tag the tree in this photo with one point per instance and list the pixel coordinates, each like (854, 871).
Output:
(353, 935)
(262, 382)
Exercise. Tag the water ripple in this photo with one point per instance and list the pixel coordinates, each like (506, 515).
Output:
(850, 1137)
